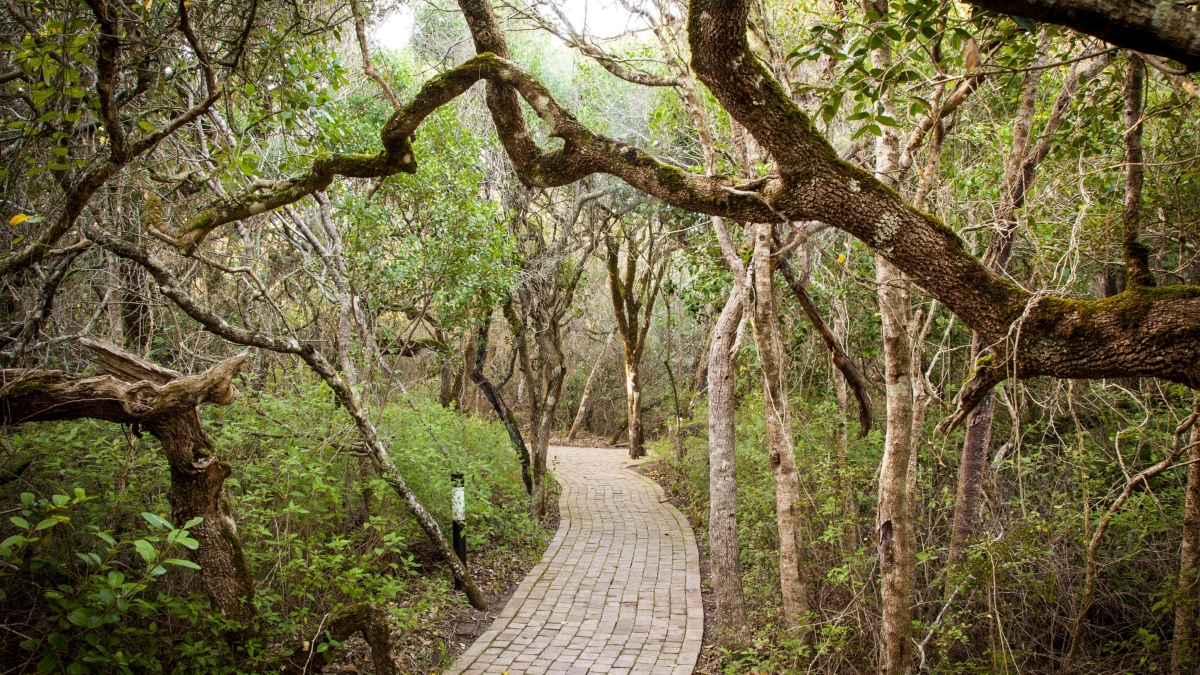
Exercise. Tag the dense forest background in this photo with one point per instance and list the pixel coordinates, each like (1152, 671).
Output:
(175, 231)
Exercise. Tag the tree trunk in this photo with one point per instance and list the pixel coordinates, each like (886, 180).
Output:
(587, 389)
(971, 468)
(1136, 254)
(198, 490)
(894, 521)
(781, 453)
(136, 392)
(633, 399)
(724, 548)
(841, 322)
(1183, 645)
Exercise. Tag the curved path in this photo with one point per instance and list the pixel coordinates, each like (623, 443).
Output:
(617, 591)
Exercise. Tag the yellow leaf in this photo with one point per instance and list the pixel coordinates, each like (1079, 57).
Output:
(841, 259)
(18, 219)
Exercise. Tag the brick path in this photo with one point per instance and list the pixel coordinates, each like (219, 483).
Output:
(618, 590)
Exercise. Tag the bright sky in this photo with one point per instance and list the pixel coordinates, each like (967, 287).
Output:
(603, 18)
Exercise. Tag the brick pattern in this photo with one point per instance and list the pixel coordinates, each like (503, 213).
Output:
(617, 591)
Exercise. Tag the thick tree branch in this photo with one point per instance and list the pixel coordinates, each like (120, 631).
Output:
(1162, 27)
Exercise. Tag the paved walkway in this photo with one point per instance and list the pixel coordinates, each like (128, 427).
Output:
(618, 590)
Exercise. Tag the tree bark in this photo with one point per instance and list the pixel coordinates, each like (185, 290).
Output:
(1183, 644)
(633, 297)
(724, 548)
(1136, 254)
(633, 400)
(587, 388)
(781, 451)
(1162, 27)
(896, 535)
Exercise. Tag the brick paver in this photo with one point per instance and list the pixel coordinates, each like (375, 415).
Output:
(618, 590)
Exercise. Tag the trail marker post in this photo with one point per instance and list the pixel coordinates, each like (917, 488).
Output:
(458, 502)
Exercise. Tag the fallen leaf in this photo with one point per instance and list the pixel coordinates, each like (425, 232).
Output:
(18, 219)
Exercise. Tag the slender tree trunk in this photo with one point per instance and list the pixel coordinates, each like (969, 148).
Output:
(1137, 255)
(894, 521)
(841, 322)
(545, 394)
(979, 422)
(633, 400)
(587, 388)
(724, 548)
(970, 469)
(781, 453)
(502, 411)
(1183, 645)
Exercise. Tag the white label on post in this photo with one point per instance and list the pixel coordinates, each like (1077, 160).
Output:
(459, 503)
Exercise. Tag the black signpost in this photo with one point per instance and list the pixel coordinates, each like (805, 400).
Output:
(458, 501)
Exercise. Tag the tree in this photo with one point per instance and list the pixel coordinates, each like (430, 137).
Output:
(164, 402)
(633, 294)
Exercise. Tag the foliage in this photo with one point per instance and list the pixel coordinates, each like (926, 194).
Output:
(98, 562)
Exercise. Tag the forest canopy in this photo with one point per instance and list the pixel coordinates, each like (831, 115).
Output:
(902, 299)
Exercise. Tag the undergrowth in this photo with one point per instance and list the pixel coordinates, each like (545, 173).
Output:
(1011, 605)
(96, 580)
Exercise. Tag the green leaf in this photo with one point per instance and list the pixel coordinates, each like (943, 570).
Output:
(182, 563)
(19, 522)
(58, 640)
(46, 524)
(145, 126)
(193, 522)
(156, 520)
(12, 541)
(146, 550)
